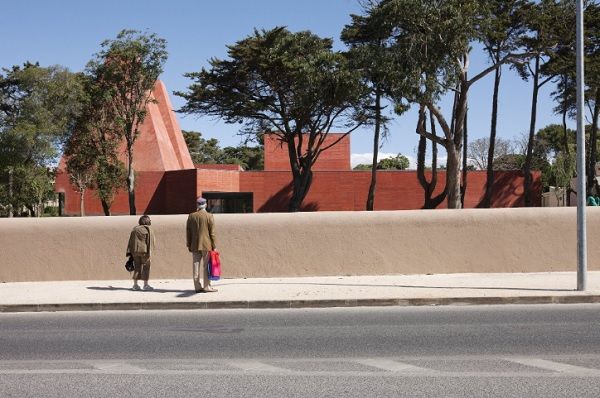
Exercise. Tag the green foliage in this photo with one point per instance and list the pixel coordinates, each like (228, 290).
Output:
(362, 167)
(562, 170)
(276, 80)
(32, 186)
(428, 38)
(50, 211)
(109, 179)
(371, 54)
(38, 107)
(550, 140)
(205, 151)
(504, 26)
(250, 158)
(202, 151)
(399, 162)
(550, 32)
(125, 71)
(290, 84)
(92, 149)
(509, 162)
(432, 41)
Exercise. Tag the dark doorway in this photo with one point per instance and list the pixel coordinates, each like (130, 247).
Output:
(228, 202)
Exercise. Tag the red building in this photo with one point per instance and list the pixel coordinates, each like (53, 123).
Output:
(168, 183)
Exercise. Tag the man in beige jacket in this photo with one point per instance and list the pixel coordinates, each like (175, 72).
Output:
(200, 233)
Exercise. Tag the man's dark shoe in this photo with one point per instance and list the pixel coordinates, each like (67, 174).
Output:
(199, 290)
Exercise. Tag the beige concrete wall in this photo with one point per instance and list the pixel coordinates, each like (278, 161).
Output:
(306, 244)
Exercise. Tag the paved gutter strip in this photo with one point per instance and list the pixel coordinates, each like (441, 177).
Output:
(264, 304)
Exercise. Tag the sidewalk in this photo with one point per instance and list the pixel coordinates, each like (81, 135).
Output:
(342, 291)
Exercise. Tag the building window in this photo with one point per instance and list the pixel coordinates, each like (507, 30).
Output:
(228, 202)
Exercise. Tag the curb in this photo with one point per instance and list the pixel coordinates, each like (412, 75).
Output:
(282, 304)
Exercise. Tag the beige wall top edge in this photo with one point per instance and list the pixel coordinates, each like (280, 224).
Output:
(329, 217)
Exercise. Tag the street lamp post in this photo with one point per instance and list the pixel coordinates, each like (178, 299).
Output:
(581, 191)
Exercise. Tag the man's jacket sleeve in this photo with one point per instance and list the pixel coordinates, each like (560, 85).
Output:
(211, 230)
(188, 232)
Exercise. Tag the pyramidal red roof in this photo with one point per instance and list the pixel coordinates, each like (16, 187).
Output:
(160, 145)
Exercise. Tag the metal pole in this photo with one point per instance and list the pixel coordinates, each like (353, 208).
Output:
(581, 180)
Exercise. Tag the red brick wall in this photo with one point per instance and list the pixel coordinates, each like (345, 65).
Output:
(234, 167)
(396, 190)
(149, 196)
(218, 180)
(335, 158)
(180, 192)
(174, 192)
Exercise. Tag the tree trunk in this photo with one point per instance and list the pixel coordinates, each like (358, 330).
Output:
(454, 149)
(453, 177)
(433, 202)
(131, 181)
(593, 146)
(301, 178)
(301, 185)
(10, 192)
(81, 204)
(453, 145)
(421, 153)
(371, 195)
(105, 207)
(529, 157)
(489, 182)
(429, 187)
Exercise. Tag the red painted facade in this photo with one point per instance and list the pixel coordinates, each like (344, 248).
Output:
(396, 190)
(168, 183)
(174, 192)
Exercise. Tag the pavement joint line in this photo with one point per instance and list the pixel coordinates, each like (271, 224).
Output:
(325, 303)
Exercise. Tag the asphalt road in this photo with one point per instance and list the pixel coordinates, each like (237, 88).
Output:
(478, 351)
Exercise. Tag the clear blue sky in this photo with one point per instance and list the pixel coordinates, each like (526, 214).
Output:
(69, 32)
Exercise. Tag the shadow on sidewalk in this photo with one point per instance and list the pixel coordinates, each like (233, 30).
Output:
(182, 293)
(403, 286)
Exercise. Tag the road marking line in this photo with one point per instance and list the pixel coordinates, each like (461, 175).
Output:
(391, 366)
(554, 366)
(116, 367)
(256, 366)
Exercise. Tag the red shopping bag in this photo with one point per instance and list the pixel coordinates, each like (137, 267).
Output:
(214, 273)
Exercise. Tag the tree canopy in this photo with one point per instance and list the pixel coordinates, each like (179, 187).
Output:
(208, 151)
(38, 107)
(398, 162)
(125, 71)
(289, 84)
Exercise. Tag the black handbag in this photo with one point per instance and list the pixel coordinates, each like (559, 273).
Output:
(129, 265)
